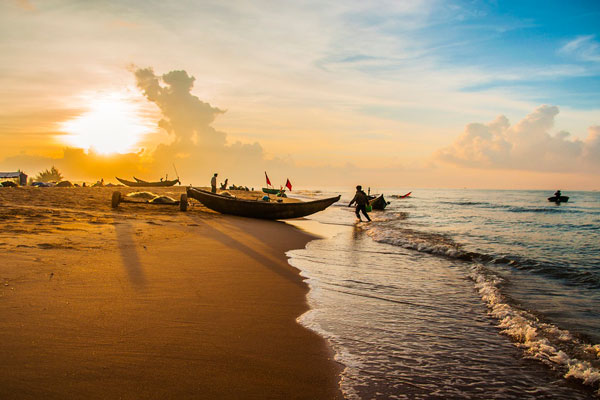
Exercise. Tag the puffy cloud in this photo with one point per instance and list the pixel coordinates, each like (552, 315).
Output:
(184, 115)
(197, 147)
(527, 145)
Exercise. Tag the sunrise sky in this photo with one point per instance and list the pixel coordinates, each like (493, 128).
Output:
(494, 94)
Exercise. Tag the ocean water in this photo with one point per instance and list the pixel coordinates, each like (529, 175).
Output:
(459, 294)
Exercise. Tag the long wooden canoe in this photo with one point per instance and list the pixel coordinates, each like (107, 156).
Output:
(378, 203)
(258, 208)
(140, 183)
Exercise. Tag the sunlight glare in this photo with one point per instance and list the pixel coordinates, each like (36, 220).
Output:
(113, 124)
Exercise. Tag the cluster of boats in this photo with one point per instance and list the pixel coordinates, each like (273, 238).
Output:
(254, 208)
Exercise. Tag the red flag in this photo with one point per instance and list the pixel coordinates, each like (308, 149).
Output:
(268, 181)
(288, 185)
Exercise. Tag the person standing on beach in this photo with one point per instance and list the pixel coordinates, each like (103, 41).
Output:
(361, 200)
(213, 183)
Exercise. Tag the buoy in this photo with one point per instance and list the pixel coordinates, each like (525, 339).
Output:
(183, 202)
(116, 199)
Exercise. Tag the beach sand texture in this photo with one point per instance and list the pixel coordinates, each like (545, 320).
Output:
(149, 302)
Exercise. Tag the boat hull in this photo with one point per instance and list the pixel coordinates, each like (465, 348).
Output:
(140, 183)
(272, 191)
(559, 199)
(378, 203)
(258, 209)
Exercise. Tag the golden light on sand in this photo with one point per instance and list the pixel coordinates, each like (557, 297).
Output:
(112, 124)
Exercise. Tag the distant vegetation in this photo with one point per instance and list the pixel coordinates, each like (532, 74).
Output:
(51, 175)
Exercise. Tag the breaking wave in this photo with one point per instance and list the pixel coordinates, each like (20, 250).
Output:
(439, 244)
(545, 342)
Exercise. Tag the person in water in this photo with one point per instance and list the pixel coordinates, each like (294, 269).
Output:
(213, 183)
(361, 200)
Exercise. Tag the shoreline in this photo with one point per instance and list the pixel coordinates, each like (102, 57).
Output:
(145, 302)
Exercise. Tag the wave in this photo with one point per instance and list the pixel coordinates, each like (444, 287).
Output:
(550, 209)
(545, 342)
(470, 203)
(545, 210)
(442, 245)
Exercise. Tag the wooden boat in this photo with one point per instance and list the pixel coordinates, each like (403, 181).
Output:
(272, 190)
(378, 203)
(258, 208)
(140, 183)
(277, 192)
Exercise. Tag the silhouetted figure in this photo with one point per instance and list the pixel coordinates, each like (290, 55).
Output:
(557, 193)
(361, 200)
(213, 183)
(224, 184)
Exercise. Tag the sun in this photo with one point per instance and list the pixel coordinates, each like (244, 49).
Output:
(112, 124)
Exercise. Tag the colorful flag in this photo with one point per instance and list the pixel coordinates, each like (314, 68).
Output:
(288, 185)
(268, 181)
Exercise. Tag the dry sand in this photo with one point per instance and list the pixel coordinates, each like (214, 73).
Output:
(147, 302)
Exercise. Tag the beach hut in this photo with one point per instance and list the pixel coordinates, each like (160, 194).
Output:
(15, 175)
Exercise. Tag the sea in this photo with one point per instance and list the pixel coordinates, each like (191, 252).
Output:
(458, 294)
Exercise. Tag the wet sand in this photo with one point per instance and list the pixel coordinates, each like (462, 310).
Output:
(149, 302)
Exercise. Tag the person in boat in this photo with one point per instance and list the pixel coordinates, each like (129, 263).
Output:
(213, 183)
(361, 200)
(557, 194)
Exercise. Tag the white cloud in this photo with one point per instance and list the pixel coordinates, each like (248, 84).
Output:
(584, 48)
(527, 145)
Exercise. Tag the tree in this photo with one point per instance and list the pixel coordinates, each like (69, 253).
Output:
(51, 175)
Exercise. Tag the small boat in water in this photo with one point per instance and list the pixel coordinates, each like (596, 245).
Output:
(259, 208)
(378, 203)
(558, 199)
(141, 183)
(401, 196)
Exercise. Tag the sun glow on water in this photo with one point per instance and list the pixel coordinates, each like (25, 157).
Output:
(112, 124)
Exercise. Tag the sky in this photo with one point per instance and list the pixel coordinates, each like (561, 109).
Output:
(388, 94)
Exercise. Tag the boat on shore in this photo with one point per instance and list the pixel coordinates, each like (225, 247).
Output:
(277, 192)
(259, 208)
(378, 203)
(141, 183)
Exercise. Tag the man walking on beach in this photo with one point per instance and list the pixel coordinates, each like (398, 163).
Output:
(361, 200)
(213, 183)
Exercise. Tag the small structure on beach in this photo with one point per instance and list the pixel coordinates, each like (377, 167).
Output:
(22, 177)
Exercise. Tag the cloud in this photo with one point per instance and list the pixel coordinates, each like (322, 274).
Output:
(185, 116)
(527, 145)
(584, 48)
(196, 144)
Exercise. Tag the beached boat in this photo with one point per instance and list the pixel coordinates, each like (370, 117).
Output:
(272, 191)
(258, 208)
(141, 183)
(277, 192)
(378, 203)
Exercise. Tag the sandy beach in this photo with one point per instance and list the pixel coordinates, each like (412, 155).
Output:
(149, 302)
